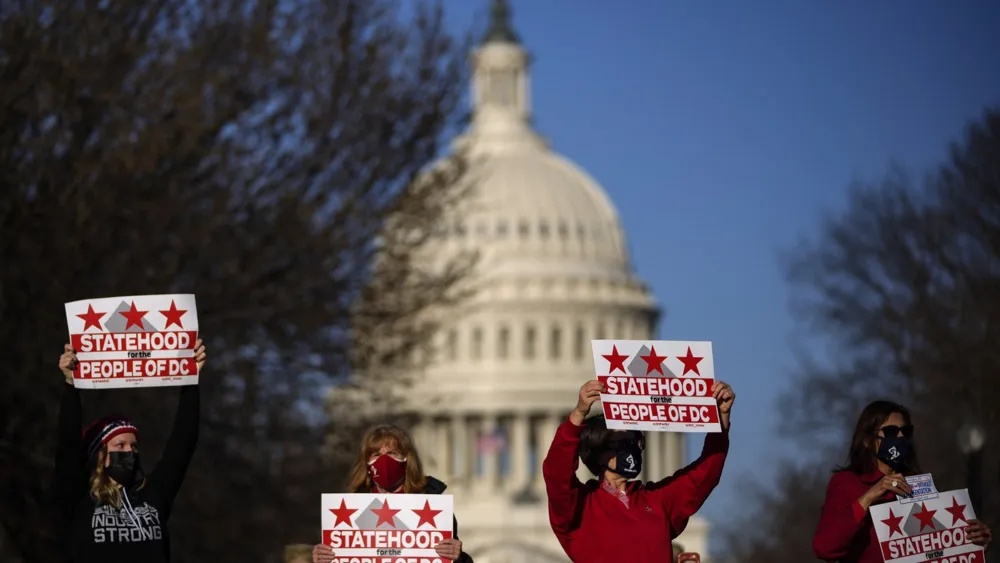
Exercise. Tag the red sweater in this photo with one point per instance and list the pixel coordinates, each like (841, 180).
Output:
(595, 525)
(845, 532)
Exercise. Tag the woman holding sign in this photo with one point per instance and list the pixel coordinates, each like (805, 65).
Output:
(879, 459)
(388, 463)
(108, 508)
(616, 518)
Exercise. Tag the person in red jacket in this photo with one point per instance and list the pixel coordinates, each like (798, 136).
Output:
(616, 518)
(879, 459)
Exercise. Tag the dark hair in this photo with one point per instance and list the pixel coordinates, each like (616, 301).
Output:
(861, 456)
(594, 439)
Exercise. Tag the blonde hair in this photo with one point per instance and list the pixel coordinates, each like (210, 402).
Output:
(296, 551)
(102, 488)
(374, 440)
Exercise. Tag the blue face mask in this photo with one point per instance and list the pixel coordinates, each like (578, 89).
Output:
(627, 452)
(628, 461)
(895, 451)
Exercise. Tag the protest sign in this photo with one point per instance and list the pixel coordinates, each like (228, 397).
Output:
(136, 341)
(923, 489)
(657, 385)
(928, 531)
(386, 528)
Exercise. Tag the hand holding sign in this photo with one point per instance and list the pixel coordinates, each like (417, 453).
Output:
(199, 354)
(450, 548)
(725, 397)
(67, 363)
(978, 533)
(893, 482)
(590, 392)
(323, 554)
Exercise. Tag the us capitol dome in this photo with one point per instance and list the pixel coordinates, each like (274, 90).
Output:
(554, 273)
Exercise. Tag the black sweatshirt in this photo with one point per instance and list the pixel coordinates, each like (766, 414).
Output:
(138, 531)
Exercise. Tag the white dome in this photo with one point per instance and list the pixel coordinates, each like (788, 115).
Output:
(535, 211)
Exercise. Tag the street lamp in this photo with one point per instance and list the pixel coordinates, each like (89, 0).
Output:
(971, 439)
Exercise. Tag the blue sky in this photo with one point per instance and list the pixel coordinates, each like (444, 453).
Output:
(723, 131)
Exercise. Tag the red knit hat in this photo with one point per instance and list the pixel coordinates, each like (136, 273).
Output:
(102, 430)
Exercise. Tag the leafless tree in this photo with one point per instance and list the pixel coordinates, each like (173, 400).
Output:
(905, 284)
(252, 153)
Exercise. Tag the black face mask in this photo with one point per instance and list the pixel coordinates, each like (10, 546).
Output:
(895, 451)
(124, 468)
(627, 454)
(628, 461)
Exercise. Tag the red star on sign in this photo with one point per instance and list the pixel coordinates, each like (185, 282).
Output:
(385, 514)
(925, 516)
(426, 514)
(133, 316)
(617, 360)
(957, 511)
(343, 514)
(91, 318)
(893, 522)
(690, 362)
(653, 362)
(173, 315)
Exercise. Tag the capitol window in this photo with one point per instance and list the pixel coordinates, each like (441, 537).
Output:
(578, 342)
(524, 228)
(529, 343)
(452, 346)
(477, 343)
(503, 342)
(502, 229)
(556, 344)
(502, 88)
(563, 230)
(543, 229)
(599, 335)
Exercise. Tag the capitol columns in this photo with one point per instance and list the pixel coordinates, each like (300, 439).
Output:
(544, 432)
(520, 426)
(443, 450)
(486, 446)
(655, 453)
(460, 446)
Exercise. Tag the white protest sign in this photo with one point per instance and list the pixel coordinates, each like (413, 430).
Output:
(657, 385)
(927, 531)
(923, 489)
(386, 528)
(135, 341)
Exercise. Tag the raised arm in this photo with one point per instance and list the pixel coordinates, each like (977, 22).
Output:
(684, 493)
(183, 437)
(563, 489)
(69, 480)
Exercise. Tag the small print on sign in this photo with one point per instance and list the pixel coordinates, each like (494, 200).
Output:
(927, 530)
(657, 385)
(923, 489)
(373, 528)
(136, 341)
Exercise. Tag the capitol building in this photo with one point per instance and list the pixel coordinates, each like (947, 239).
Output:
(554, 273)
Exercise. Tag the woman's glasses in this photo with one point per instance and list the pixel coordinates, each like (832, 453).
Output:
(892, 431)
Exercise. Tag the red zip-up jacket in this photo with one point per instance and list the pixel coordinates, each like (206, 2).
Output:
(598, 524)
(845, 532)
